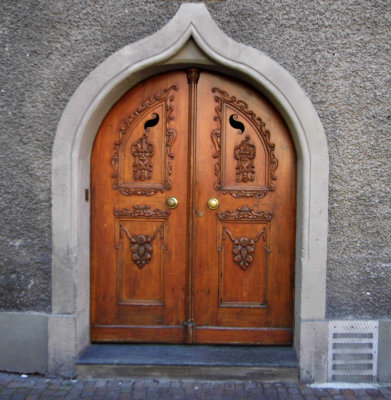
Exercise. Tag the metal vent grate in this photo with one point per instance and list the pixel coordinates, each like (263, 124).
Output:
(353, 351)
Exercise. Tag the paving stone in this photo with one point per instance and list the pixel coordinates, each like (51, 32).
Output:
(7, 392)
(125, 396)
(70, 396)
(32, 397)
(270, 393)
(374, 393)
(100, 383)
(310, 396)
(296, 396)
(13, 387)
(18, 396)
(283, 393)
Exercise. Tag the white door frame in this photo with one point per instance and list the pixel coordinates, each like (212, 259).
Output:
(191, 38)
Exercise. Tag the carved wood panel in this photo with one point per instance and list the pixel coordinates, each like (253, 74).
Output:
(143, 156)
(142, 151)
(253, 156)
(243, 251)
(141, 246)
(242, 244)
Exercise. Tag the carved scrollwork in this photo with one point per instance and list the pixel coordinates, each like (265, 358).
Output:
(257, 193)
(141, 245)
(141, 211)
(244, 153)
(143, 149)
(244, 213)
(139, 191)
(243, 248)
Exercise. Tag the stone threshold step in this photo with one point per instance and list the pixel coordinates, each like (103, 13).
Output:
(188, 362)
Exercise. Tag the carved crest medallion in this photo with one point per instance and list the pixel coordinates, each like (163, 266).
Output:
(244, 155)
(142, 151)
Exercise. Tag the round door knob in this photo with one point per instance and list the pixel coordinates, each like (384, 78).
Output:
(172, 202)
(213, 203)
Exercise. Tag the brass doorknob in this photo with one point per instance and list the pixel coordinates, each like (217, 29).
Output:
(213, 203)
(172, 202)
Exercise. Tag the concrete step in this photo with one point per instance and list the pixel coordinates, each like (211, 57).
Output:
(188, 362)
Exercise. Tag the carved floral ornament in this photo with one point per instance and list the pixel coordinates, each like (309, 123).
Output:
(245, 152)
(243, 250)
(143, 149)
(141, 245)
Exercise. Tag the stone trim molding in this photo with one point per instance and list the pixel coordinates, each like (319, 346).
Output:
(191, 38)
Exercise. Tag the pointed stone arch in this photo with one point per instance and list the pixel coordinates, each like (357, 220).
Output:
(191, 38)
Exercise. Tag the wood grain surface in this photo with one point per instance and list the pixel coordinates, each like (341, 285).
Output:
(192, 274)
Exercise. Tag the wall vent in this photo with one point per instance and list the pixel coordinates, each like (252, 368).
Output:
(353, 351)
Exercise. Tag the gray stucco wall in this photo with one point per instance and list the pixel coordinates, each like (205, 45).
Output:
(338, 51)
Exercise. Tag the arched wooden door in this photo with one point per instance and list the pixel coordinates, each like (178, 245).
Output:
(193, 274)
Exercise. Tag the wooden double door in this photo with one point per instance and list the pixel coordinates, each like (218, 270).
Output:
(166, 264)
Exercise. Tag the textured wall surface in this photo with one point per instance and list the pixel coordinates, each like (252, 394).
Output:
(339, 51)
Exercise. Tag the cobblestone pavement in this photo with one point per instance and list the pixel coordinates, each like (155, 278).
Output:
(16, 387)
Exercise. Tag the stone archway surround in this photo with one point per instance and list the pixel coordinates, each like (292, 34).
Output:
(190, 38)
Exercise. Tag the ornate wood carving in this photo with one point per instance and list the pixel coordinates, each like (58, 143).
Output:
(245, 168)
(141, 211)
(244, 155)
(193, 75)
(143, 149)
(243, 248)
(141, 245)
(244, 213)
